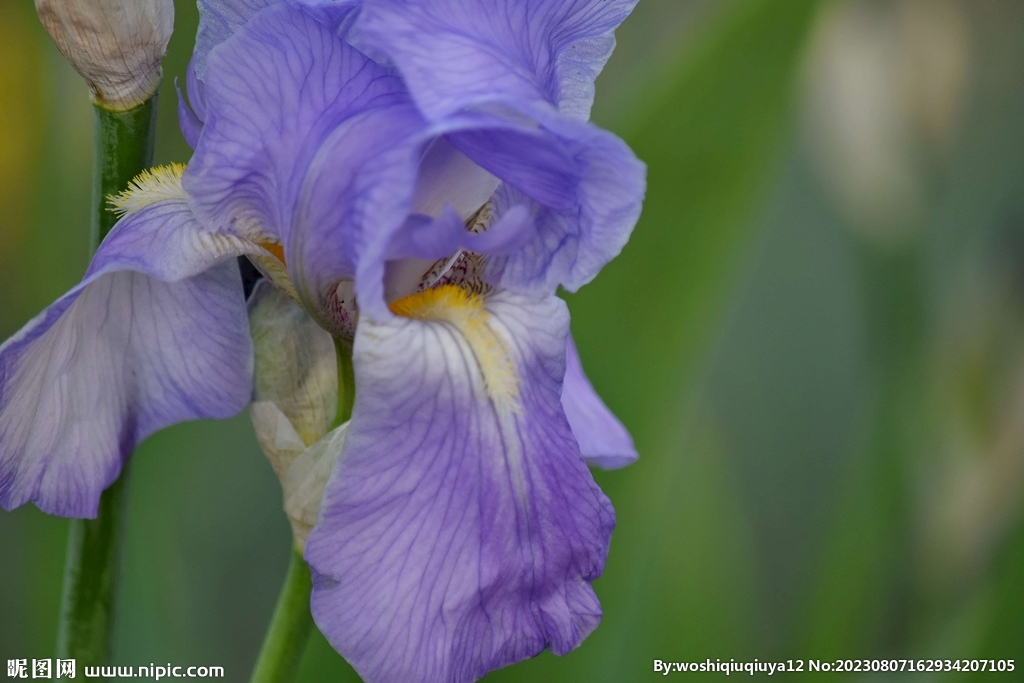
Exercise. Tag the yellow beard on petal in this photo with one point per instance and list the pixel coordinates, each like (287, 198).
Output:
(465, 311)
(152, 185)
(162, 183)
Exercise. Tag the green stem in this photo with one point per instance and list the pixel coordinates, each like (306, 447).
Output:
(289, 627)
(289, 630)
(90, 579)
(123, 149)
(346, 382)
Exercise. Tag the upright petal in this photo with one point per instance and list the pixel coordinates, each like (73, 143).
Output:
(218, 21)
(461, 528)
(189, 123)
(356, 197)
(155, 334)
(274, 91)
(603, 440)
(458, 53)
(586, 186)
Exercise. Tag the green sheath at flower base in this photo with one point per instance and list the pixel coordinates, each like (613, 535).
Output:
(123, 149)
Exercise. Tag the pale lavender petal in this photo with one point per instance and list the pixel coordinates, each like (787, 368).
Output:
(446, 176)
(603, 440)
(274, 92)
(155, 334)
(461, 528)
(434, 238)
(458, 53)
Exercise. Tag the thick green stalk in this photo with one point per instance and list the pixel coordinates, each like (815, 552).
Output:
(123, 149)
(291, 624)
(289, 627)
(90, 580)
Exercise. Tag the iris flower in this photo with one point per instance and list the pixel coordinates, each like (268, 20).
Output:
(418, 176)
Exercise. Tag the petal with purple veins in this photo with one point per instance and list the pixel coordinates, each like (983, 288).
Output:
(218, 21)
(461, 529)
(274, 92)
(155, 334)
(456, 54)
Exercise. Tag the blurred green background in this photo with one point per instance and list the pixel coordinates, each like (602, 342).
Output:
(816, 337)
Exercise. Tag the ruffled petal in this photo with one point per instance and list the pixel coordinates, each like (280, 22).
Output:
(274, 92)
(586, 190)
(461, 528)
(155, 334)
(455, 54)
(603, 440)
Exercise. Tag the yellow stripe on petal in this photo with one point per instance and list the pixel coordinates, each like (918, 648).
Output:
(153, 185)
(466, 312)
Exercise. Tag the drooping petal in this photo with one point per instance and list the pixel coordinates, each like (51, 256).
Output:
(457, 53)
(603, 440)
(274, 92)
(461, 528)
(155, 334)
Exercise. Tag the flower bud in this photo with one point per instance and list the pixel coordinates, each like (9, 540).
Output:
(116, 45)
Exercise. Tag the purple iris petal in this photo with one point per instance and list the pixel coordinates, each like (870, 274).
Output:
(587, 187)
(218, 21)
(357, 196)
(461, 528)
(275, 90)
(155, 334)
(459, 53)
(188, 121)
(603, 440)
(301, 128)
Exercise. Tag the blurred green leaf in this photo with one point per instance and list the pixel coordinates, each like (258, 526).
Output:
(1004, 636)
